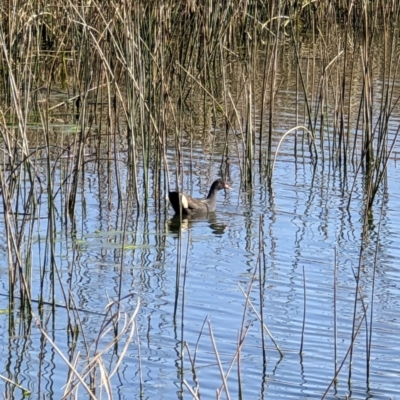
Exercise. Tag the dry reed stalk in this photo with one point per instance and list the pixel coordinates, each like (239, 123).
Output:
(349, 350)
(162, 56)
(247, 296)
(303, 327)
(262, 282)
(335, 325)
(221, 370)
(96, 362)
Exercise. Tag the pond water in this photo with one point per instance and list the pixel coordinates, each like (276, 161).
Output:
(304, 221)
(298, 234)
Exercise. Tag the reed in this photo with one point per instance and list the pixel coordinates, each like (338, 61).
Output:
(154, 81)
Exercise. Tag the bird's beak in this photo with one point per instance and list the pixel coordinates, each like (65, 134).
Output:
(227, 187)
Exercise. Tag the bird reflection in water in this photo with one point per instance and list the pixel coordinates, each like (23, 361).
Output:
(175, 224)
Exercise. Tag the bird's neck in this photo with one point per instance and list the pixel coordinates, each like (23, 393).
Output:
(212, 194)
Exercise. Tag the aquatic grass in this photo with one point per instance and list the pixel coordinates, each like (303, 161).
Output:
(143, 78)
(349, 350)
(369, 329)
(224, 374)
(25, 391)
(295, 129)
(335, 302)
(93, 375)
(258, 276)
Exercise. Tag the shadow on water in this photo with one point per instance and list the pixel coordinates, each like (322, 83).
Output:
(175, 224)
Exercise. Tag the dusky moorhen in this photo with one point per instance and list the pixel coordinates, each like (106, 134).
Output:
(191, 206)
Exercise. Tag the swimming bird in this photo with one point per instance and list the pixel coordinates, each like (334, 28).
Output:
(192, 206)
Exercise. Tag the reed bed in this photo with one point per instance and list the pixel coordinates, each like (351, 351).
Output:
(118, 85)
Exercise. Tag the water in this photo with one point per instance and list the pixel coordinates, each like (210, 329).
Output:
(305, 220)
(303, 223)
